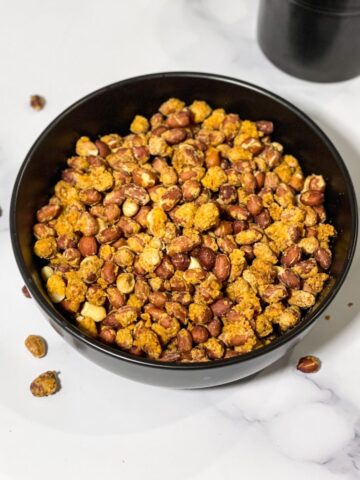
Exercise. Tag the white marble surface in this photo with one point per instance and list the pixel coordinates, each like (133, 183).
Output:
(280, 424)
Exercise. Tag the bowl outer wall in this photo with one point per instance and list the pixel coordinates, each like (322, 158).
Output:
(111, 109)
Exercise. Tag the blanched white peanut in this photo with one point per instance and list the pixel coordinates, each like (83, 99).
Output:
(93, 311)
(194, 263)
(46, 272)
(130, 208)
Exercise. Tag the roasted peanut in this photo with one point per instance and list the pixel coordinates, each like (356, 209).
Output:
(26, 292)
(214, 348)
(227, 194)
(96, 295)
(254, 205)
(48, 212)
(181, 118)
(175, 135)
(182, 244)
(141, 216)
(158, 299)
(224, 228)
(199, 334)
(315, 182)
(271, 156)
(141, 154)
(71, 306)
(253, 145)
(87, 225)
(103, 149)
(207, 258)
(265, 126)
(88, 246)
(291, 256)
(107, 335)
(301, 299)
(290, 279)
(191, 190)
(36, 345)
(308, 364)
(115, 197)
(45, 384)
(184, 341)
(159, 130)
(240, 225)
(178, 310)
(215, 327)
(221, 307)
(238, 212)
(37, 102)
(181, 261)
(312, 198)
(116, 298)
(136, 193)
(144, 177)
(323, 257)
(271, 181)
(109, 272)
(127, 226)
(41, 230)
(222, 267)
(65, 241)
(273, 293)
(199, 313)
(248, 237)
(166, 269)
(249, 182)
(109, 235)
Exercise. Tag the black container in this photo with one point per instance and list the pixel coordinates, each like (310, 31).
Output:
(317, 40)
(111, 109)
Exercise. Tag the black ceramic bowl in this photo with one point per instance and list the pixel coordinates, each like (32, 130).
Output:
(111, 109)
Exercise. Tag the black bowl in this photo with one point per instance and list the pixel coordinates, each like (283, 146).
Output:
(111, 109)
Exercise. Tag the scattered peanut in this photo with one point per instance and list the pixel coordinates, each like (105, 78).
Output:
(45, 384)
(36, 345)
(37, 102)
(26, 292)
(309, 364)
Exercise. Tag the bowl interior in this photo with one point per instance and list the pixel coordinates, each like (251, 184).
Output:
(112, 108)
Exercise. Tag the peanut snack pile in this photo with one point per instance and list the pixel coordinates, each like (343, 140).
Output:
(193, 238)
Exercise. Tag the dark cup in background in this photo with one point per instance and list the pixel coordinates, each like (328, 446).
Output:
(316, 40)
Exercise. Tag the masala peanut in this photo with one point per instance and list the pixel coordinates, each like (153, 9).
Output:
(193, 238)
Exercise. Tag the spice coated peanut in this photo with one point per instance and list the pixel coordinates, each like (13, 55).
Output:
(193, 238)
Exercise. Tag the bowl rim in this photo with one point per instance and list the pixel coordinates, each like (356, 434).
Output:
(72, 330)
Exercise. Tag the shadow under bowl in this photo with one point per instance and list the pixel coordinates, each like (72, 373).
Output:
(111, 109)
